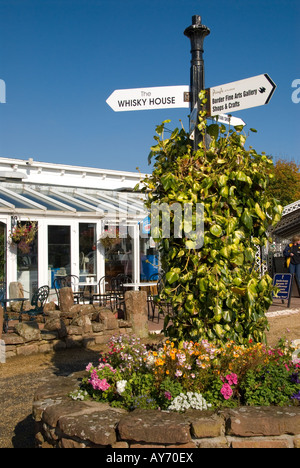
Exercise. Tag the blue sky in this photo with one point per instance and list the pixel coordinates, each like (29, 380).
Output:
(61, 59)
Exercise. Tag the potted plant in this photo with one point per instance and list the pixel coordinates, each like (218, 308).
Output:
(23, 234)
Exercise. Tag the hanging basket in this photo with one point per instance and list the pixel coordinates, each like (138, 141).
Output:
(23, 235)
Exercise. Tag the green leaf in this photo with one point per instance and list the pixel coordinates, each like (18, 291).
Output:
(171, 277)
(213, 130)
(239, 128)
(216, 230)
(219, 331)
(259, 212)
(247, 219)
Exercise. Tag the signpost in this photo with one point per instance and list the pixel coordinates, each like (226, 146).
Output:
(222, 100)
(238, 95)
(283, 281)
(149, 98)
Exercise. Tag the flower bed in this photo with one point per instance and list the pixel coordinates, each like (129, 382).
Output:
(193, 375)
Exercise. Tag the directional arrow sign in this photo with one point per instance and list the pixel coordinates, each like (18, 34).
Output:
(229, 120)
(149, 98)
(243, 94)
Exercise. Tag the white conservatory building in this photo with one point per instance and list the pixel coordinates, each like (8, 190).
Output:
(73, 208)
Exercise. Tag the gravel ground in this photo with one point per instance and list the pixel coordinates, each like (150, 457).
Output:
(21, 376)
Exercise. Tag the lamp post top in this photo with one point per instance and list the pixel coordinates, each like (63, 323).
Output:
(197, 27)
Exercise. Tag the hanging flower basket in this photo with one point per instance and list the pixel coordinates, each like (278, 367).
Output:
(109, 238)
(23, 234)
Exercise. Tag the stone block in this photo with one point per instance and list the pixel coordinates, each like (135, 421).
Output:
(107, 318)
(28, 330)
(137, 312)
(83, 322)
(205, 424)
(263, 421)
(155, 427)
(98, 427)
(27, 350)
(16, 289)
(262, 442)
(66, 299)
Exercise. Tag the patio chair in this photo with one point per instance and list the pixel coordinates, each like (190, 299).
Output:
(104, 294)
(68, 281)
(157, 301)
(118, 293)
(38, 301)
(72, 281)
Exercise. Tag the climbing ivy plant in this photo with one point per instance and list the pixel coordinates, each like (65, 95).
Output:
(217, 293)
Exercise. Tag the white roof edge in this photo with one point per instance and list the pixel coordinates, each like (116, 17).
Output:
(29, 163)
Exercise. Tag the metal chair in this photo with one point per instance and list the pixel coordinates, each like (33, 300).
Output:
(72, 281)
(38, 301)
(158, 301)
(105, 293)
(68, 281)
(118, 293)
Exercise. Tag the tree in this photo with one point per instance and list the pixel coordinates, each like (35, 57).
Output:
(285, 186)
(216, 292)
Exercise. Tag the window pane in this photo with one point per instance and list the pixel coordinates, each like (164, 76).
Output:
(59, 252)
(27, 264)
(118, 254)
(87, 250)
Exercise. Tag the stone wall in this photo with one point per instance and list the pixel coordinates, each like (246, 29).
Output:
(65, 423)
(80, 326)
(75, 325)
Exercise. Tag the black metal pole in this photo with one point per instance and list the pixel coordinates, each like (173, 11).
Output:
(196, 33)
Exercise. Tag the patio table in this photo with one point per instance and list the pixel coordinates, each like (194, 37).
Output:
(90, 285)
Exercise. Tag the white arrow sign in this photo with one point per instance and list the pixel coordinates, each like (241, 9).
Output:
(230, 120)
(149, 98)
(243, 94)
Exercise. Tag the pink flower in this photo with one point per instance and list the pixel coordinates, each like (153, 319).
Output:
(232, 379)
(88, 367)
(98, 384)
(168, 395)
(226, 391)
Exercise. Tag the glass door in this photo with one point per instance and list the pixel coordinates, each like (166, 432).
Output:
(27, 259)
(59, 252)
(2, 255)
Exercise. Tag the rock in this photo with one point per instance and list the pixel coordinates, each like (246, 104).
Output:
(16, 289)
(205, 424)
(99, 427)
(49, 307)
(56, 324)
(66, 299)
(155, 427)
(137, 312)
(28, 330)
(84, 323)
(263, 421)
(108, 319)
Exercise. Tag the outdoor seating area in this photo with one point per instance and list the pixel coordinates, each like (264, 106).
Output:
(35, 309)
(108, 292)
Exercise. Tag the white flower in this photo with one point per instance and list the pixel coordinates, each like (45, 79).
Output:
(120, 386)
(191, 400)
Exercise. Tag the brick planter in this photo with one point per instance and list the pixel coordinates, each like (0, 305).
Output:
(64, 423)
